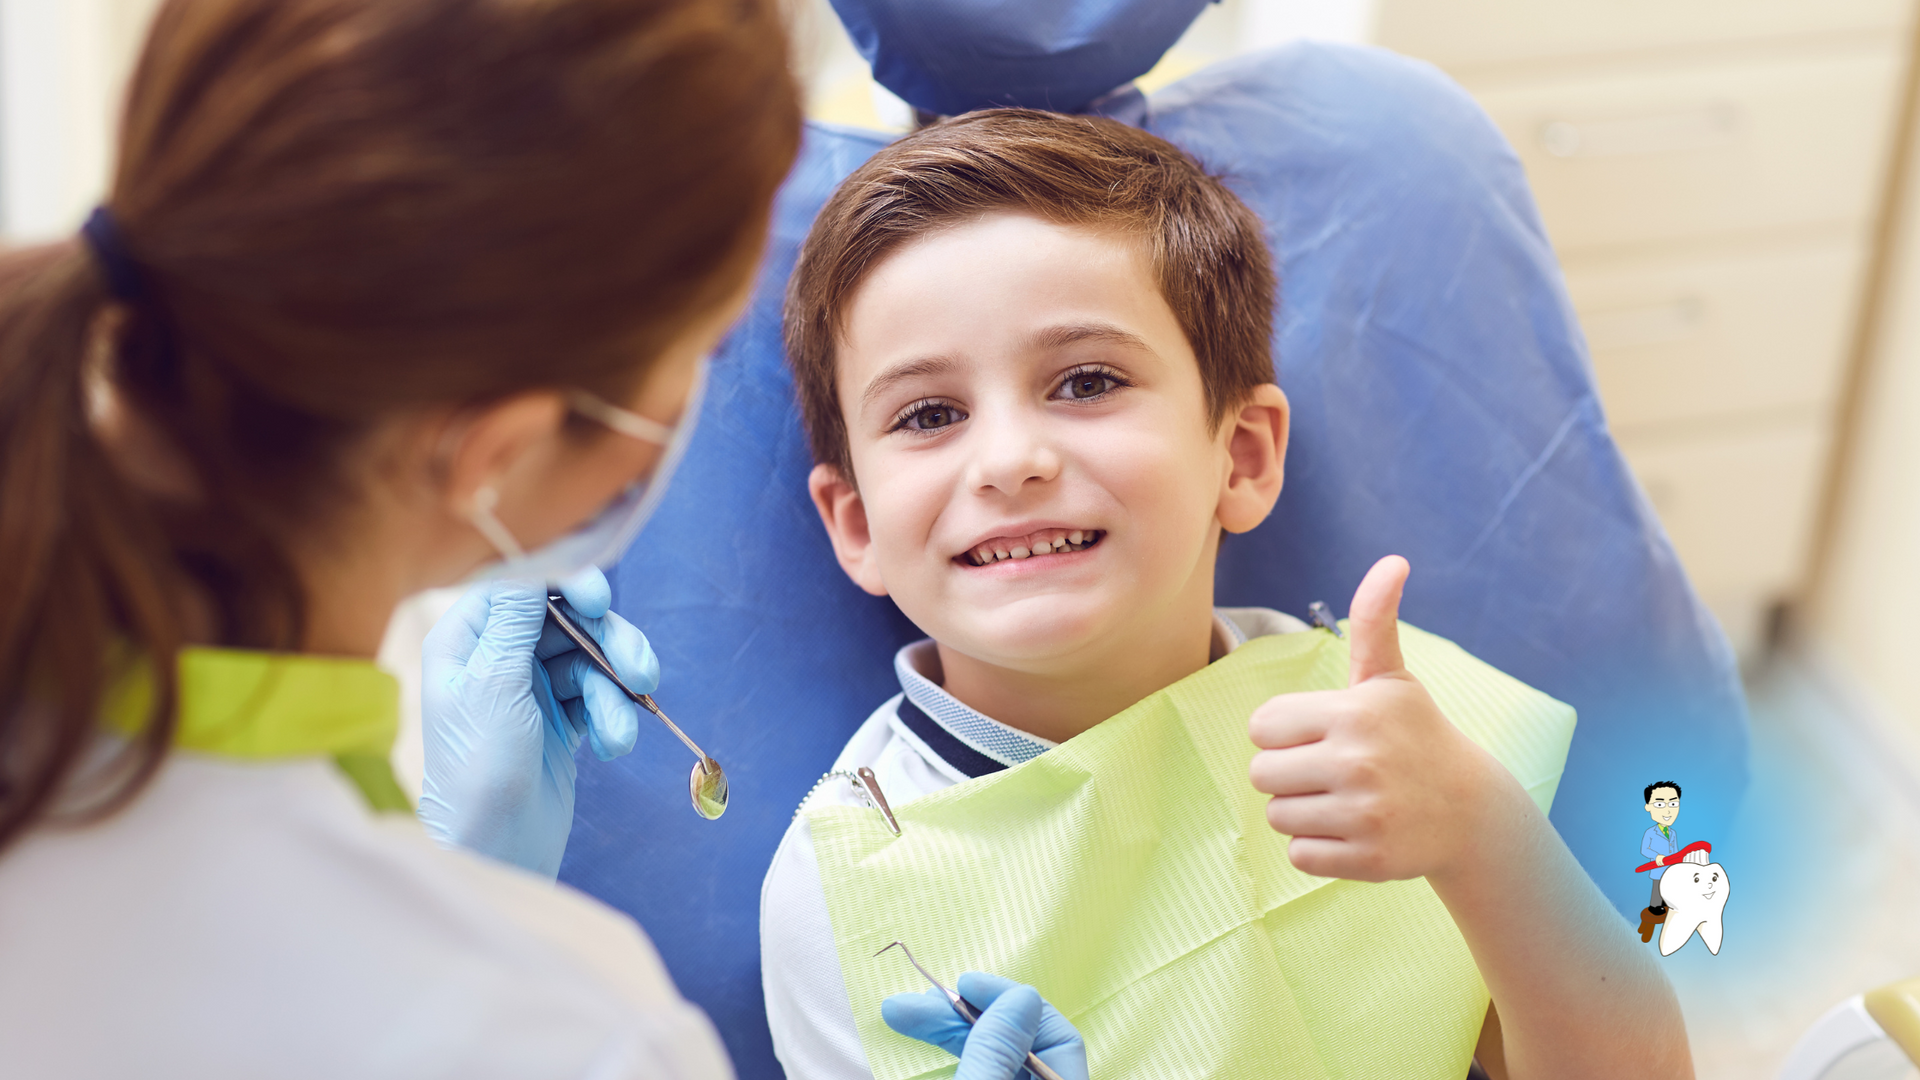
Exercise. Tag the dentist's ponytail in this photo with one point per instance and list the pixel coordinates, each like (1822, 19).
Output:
(82, 566)
(327, 212)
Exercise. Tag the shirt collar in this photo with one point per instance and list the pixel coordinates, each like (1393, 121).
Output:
(261, 705)
(247, 704)
(918, 663)
(1008, 746)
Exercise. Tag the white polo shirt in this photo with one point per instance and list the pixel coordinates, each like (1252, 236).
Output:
(920, 741)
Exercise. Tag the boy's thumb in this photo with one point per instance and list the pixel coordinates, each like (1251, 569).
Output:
(1373, 622)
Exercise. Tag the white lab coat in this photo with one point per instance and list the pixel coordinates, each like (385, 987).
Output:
(255, 919)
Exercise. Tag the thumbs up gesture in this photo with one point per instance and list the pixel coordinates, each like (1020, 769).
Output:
(1373, 782)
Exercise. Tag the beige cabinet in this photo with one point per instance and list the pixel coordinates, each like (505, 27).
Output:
(1464, 35)
(1711, 335)
(1710, 175)
(1731, 501)
(1678, 151)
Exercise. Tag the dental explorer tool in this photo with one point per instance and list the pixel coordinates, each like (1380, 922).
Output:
(708, 784)
(969, 1013)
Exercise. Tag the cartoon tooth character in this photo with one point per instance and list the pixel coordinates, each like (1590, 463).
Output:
(1695, 893)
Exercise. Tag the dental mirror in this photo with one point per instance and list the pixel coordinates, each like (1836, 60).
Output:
(707, 785)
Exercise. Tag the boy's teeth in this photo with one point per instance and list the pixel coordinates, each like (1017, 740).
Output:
(1075, 540)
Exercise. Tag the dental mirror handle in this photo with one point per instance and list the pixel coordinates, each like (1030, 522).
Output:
(592, 648)
(707, 785)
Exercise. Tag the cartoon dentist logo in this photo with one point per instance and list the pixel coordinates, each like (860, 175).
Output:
(1689, 893)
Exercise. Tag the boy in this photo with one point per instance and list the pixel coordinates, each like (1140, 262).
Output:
(1034, 356)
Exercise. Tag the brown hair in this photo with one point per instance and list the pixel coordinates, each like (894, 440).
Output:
(340, 209)
(1206, 246)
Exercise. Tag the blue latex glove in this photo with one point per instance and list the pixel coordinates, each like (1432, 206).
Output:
(1013, 1020)
(505, 699)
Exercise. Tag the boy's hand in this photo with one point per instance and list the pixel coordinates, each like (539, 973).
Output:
(1373, 782)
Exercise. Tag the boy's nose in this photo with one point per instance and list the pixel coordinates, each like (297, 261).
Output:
(1008, 455)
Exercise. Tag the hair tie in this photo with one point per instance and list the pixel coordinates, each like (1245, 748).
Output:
(109, 247)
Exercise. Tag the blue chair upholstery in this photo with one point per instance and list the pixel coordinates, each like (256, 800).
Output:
(1444, 408)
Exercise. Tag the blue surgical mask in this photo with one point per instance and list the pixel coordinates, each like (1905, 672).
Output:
(606, 536)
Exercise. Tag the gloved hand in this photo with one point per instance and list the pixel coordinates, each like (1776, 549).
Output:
(1013, 1020)
(505, 699)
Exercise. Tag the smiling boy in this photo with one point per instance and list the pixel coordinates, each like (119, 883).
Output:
(1034, 356)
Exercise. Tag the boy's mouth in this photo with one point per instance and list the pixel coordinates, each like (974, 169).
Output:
(1042, 542)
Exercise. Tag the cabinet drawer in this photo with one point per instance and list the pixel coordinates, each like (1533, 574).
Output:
(1463, 33)
(1739, 506)
(1715, 335)
(1711, 149)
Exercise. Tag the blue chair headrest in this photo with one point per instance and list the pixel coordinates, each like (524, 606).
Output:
(954, 56)
(1443, 408)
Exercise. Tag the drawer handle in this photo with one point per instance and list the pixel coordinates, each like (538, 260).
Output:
(1648, 324)
(1651, 133)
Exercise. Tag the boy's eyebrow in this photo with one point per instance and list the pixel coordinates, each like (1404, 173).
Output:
(1055, 337)
(912, 369)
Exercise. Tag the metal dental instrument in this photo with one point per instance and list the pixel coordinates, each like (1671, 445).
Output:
(1322, 616)
(969, 1013)
(708, 784)
(870, 787)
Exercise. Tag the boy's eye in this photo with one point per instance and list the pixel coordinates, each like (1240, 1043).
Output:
(929, 416)
(1085, 385)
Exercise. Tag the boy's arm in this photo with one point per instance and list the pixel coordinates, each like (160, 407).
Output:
(1574, 994)
(1374, 783)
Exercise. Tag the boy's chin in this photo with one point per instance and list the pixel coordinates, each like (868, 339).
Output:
(1030, 634)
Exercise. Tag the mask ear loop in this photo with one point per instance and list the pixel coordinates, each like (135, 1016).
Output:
(481, 515)
(626, 422)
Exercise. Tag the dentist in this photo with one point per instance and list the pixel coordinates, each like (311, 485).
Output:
(386, 293)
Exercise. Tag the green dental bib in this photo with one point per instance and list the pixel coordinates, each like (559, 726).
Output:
(1130, 875)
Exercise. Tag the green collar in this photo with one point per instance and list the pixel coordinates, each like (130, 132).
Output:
(261, 706)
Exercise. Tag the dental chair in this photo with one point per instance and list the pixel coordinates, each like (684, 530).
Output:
(1870, 1036)
(1443, 408)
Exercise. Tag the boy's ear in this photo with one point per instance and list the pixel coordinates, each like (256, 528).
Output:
(845, 517)
(1257, 453)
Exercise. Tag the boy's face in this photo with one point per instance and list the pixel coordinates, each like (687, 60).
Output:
(1030, 437)
(1665, 806)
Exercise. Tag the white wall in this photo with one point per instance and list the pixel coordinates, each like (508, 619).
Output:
(63, 64)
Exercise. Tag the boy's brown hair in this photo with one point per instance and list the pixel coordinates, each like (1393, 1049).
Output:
(1206, 246)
